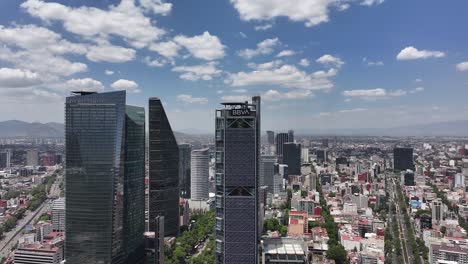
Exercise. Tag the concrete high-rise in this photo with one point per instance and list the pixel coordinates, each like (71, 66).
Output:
(104, 179)
(58, 215)
(291, 135)
(200, 170)
(163, 170)
(281, 138)
(292, 157)
(5, 159)
(271, 137)
(237, 205)
(403, 159)
(32, 157)
(267, 171)
(184, 169)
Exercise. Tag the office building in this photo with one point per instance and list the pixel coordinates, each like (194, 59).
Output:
(448, 253)
(200, 170)
(184, 169)
(290, 135)
(267, 171)
(154, 243)
(437, 208)
(322, 155)
(403, 159)
(237, 159)
(305, 155)
(271, 137)
(58, 215)
(459, 181)
(465, 167)
(292, 157)
(283, 170)
(284, 250)
(312, 182)
(5, 159)
(409, 178)
(281, 138)
(277, 183)
(104, 179)
(32, 156)
(163, 170)
(325, 143)
(35, 253)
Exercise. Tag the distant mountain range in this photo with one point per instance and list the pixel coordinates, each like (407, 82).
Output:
(15, 128)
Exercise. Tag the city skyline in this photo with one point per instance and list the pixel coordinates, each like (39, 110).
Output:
(393, 66)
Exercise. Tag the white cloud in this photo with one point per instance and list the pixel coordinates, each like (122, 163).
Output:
(285, 76)
(304, 62)
(240, 90)
(16, 78)
(220, 91)
(325, 114)
(411, 53)
(124, 20)
(266, 65)
(373, 94)
(418, 80)
(235, 98)
(39, 50)
(353, 110)
(417, 90)
(462, 66)
(312, 12)
(109, 72)
(156, 6)
(372, 63)
(192, 100)
(129, 86)
(204, 46)
(198, 72)
(371, 2)
(168, 49)
(153, 62)
(263, 48)
(275, 95)
(86, 84)
(329, 60)
(285, 53)
(242, 34)
(109, 53)
(263, 27)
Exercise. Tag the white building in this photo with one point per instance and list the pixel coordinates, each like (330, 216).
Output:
(459, 180)
(38, 253)
(305, 155)
(58, 215)
(199, 174)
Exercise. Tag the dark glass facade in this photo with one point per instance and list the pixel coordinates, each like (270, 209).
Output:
(292, 157)
(403, 159)
(134, 186)
(98, 183)
(163, 170)
(281, 138)
(237, 160)
(184, 170)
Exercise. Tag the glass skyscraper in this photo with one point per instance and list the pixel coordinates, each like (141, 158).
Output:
(185, 151)
(104, 179)
(237, 158)
(163, 170)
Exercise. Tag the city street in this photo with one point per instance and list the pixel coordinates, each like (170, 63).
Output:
(11, 238)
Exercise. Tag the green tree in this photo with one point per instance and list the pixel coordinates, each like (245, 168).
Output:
(443, 230)
(337, 253)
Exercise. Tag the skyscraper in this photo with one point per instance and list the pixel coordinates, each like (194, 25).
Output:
(200, 172)
(271, 137)
(281, 138)
(291, 135)
(267, 171)
(403, 159)
(104, 179)
(292, 157)
(163, 170)
(5, 158)
(184, 169)
(409, 178)
(32, 157)
(237, 159)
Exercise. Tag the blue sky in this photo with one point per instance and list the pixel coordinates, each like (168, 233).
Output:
(318, 64)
